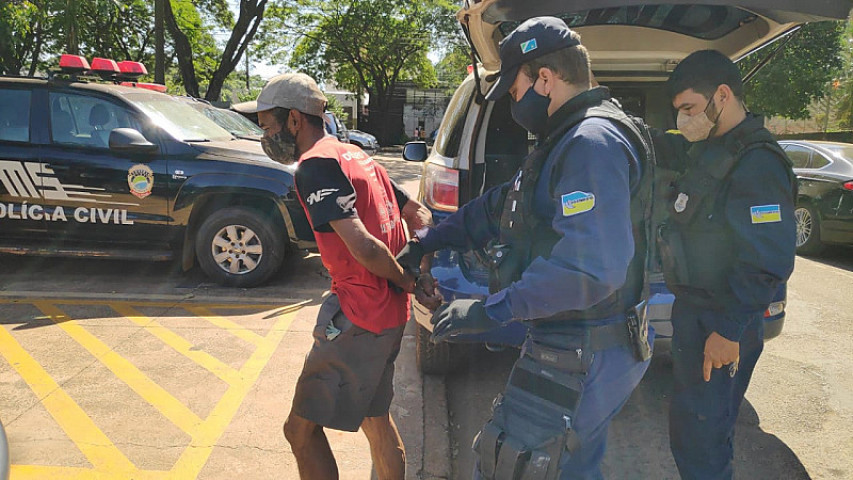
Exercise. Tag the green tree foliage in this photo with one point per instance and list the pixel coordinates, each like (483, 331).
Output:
(363, 45)
(452, 69)
(799, 75)
(842, 88)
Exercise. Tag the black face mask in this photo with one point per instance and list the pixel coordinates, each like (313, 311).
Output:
(280, 146)
(531, 112)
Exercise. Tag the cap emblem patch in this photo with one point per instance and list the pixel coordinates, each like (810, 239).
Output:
(528, 46)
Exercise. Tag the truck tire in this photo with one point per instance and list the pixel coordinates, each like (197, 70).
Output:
(808, 230)
(238, 247)
(433, 358)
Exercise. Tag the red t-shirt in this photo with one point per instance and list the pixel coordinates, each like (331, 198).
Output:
(335, 181)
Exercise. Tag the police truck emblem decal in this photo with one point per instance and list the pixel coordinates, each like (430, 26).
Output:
(140, 179)
(681, 202)
(528, 46)
(577, 202)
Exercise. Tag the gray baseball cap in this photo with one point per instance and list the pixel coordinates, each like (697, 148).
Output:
(295, 91)
(532, 39)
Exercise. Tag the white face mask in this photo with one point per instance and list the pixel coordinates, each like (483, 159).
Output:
(697, 127)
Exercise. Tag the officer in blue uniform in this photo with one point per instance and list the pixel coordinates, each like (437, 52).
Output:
(566, 261)
(728, 245)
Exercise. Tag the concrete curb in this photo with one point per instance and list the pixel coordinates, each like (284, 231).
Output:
(420, 411)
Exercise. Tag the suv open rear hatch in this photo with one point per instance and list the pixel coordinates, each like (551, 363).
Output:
(644, 41)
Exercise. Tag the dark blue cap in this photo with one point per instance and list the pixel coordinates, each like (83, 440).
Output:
(532, 39)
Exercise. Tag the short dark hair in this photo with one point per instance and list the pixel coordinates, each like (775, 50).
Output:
(570, 64)
(704, 71)
(280, 114)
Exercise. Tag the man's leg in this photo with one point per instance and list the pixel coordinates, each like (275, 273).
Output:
(703, 414)
(615, 373)
(311, 449)
(386, 447)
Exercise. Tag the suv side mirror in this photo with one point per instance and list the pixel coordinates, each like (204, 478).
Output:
(130, 141)
(415, 151)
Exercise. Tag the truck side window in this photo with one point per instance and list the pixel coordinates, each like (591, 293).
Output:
(85, 121)
(14, 115)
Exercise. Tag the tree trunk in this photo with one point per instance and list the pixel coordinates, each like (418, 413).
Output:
(36, 49)
(183, 51)
(251, 14)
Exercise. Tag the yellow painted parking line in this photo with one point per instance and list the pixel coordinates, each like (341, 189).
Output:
(95, 446)
(45, 472)
(204, 439)
(154, 394)
(180, 344)
(284, 304)
(228, 325)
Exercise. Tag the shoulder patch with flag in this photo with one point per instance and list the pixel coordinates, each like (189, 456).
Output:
(765, 213)
(577, 202)
(529, 46)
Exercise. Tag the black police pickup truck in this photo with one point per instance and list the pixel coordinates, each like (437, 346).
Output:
(111, 169)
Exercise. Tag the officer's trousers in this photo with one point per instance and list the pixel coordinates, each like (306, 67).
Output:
(612, 376)
(702, 414)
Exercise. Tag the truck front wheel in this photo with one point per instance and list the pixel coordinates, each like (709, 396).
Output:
(238, 247)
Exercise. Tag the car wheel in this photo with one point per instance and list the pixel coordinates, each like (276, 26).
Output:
(808, 230)
(238, 247)
(433, 358)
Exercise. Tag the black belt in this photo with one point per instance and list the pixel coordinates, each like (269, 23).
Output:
(575, 354)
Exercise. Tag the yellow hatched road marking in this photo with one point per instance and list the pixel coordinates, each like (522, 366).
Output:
(180, 344)
(204, 439)
(154, 394)
(224, 323)
(79, 427)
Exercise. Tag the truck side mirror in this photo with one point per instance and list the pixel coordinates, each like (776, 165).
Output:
(415, 151)
(130, 142)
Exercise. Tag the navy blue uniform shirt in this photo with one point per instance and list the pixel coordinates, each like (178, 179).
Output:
(591, 169)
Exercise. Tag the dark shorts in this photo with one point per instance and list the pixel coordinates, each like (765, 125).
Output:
(349, 377)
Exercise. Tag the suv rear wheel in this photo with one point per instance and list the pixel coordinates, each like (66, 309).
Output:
(433, 358)
(237, 247)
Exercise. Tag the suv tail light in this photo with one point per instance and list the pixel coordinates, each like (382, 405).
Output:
(441, 187)
(848, 185)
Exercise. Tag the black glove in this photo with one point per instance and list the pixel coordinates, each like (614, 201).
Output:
(410, 257)
(460, 317)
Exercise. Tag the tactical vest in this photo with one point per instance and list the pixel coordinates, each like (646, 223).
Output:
(696, 241)
(525, 235)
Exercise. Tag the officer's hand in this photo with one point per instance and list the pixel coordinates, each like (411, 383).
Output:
(426, 292)
(410, 257)
(719, 351)
(460, 317)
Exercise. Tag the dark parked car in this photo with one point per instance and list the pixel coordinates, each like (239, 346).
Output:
(825, 202)
(336, 127)
(633, 47)
(96, 169)
(364, 140)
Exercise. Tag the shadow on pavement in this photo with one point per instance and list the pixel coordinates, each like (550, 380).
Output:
(638, 446)
(398, 169)
(835, 256)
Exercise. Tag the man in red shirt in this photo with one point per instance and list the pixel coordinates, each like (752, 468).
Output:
(347, 379)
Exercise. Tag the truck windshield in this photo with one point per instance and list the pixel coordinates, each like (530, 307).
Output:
(179, 119)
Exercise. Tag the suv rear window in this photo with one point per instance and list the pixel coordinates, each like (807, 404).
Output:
(708, 22)
(14, 115)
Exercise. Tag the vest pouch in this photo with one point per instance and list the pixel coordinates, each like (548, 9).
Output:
(531, 425)
(672, 254)
(506, 263)
(707, 250)
(638, 331)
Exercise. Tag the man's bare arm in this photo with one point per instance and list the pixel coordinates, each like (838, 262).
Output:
(371, 253)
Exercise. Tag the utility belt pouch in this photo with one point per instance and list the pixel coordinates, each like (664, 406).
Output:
(638, 331)
(531, 425)
(569, 360)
